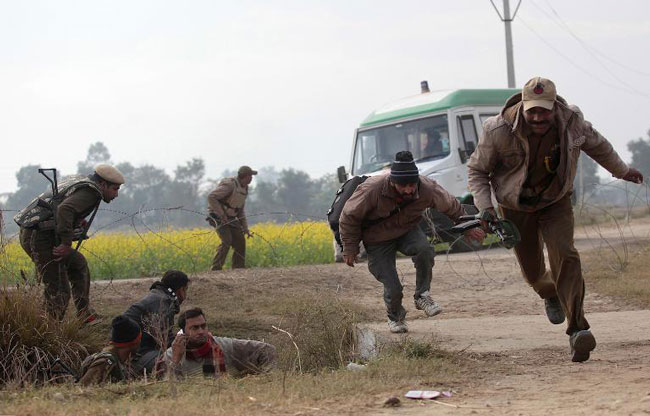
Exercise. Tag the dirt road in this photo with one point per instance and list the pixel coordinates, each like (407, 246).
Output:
(492, 315)
(490, 311)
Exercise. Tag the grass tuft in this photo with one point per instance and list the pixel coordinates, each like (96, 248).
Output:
(30, 341)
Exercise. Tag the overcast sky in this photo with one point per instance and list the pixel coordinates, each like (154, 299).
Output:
(285, 83)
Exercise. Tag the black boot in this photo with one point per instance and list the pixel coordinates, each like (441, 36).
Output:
(582, 343)
(554, 310)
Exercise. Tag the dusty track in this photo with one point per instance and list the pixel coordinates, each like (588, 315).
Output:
(492, 315)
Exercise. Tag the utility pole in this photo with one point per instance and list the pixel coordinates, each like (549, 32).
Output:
(507, 20)
(511, 64)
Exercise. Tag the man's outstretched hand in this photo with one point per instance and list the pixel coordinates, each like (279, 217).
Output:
(634, 176)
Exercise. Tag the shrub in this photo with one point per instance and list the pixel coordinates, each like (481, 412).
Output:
(319, 335)
(31, 342)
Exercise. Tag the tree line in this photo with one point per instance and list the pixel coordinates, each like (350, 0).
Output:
(152, 198)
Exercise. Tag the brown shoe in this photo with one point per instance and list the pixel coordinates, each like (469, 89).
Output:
(554, 311)
(582, 343)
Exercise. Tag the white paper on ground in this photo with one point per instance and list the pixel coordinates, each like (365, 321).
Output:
(422, 394)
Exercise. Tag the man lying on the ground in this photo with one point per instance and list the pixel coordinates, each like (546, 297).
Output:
(196, 351)
(109, 364)
(155, 314)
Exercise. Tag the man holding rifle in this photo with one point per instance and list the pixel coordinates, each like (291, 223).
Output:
(226, 206)
(50, 224)
(527, 156)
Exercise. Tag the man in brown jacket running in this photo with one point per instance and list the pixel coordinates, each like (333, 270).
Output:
(226, 206)
(385, 212)
(527, 156)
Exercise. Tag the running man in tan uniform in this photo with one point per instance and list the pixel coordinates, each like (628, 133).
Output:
(527, 156)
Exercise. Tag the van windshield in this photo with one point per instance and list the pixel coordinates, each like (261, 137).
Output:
(426, 138)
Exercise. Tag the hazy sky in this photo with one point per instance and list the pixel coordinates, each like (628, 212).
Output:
(285, 83)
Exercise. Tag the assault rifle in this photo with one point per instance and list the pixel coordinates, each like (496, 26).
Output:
(504, 229)
(80, 233)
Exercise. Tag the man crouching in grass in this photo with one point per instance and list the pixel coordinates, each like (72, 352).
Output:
(196, 351)
(110, 364)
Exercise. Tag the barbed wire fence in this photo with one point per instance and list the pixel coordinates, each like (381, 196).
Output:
(597, 235)
(612, 231)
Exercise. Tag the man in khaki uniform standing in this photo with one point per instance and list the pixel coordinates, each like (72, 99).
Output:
(527, 156)
(49, 225)
(226, 206)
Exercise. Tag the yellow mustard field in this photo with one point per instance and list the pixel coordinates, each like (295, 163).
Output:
(128, 255)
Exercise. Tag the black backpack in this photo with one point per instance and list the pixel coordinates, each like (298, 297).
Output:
(342, 195)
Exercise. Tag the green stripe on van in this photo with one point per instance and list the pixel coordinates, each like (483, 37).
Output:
(457, 98)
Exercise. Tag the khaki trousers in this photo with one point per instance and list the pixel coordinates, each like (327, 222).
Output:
(58, 276)
(552, 226)
(231, 236)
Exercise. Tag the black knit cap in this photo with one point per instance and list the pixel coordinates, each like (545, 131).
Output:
(403, 171)
(174, 279)
(124, 329)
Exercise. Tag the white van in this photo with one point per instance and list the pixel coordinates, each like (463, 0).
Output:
(440, 128)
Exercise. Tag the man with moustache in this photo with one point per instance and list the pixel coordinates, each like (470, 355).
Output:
(527, 156)
(196, 351)
(385, 212)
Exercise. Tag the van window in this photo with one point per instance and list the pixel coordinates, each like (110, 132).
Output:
(427, 139)
(467, 133)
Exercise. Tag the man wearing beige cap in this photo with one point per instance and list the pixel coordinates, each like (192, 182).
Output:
(527, 156)
(226, 207)
(49, 225)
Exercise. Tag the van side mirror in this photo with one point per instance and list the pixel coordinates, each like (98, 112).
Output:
(342, 174)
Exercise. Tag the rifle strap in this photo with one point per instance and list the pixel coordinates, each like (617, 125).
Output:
(87, 227)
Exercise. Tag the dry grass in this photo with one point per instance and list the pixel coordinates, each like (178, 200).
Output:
(249, 305)
(331, 392)
(30, 341)
(630, 285)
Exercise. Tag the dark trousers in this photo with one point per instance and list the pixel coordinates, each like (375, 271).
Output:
(552, 226)
(231, 236)
(381, 263)
(58, 276)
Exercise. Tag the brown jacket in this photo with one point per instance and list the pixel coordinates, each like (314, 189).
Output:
(500, 161)
(376, 199)
(227, 201)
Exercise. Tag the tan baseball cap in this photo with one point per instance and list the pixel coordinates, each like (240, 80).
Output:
(246, 170)
(538, 92)
(109, 174)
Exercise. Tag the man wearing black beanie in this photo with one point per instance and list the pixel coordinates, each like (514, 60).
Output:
(155, 314)
(384, 212)
(108, 365)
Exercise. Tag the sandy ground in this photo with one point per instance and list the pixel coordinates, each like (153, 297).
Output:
(490, 311)
(492, 316)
